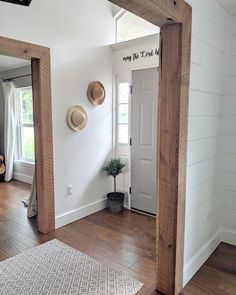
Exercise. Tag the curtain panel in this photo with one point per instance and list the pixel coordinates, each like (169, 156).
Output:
(9, 92)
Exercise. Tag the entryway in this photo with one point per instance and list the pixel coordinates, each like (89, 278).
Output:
(136, 71)
(41, 78)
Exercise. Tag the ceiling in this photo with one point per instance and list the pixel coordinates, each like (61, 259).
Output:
(9, 63)
(229, 5)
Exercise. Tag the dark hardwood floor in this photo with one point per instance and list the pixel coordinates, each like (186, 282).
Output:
(125, 241)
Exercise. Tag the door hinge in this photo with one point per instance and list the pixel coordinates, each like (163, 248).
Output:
(130, 141)
(130, 190)
(131, 89)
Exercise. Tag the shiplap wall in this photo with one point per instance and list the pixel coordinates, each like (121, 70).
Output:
(228, 159)
(209, 77)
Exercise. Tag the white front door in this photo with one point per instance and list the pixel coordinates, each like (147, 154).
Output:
(144, 139)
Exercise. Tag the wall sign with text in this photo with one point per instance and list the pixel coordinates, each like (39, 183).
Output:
(143, 54)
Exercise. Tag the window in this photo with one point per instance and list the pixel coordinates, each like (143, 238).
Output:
(130, 26)
(25, 125)
(123, 91)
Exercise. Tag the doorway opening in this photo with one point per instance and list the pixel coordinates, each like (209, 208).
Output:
(17, 144)
(136, 56)
(174, 19)
(34, 127)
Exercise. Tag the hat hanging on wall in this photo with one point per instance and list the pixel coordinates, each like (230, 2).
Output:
(77, 118)
(96, 93)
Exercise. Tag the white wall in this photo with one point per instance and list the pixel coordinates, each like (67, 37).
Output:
(24, 171)
(228, 158)
(78, 34)
(208, 95)
(133, 55)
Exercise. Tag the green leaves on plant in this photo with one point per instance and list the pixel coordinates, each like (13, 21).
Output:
(114, 167)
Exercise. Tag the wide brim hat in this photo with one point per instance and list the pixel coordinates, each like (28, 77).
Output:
(77, 118)
(96, 93)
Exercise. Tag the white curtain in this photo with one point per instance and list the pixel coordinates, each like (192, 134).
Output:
(9, 127)
(32, 201)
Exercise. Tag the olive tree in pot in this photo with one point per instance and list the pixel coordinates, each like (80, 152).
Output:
(115, 200)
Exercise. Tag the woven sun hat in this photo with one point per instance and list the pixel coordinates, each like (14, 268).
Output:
(96, 93)
(77, 118)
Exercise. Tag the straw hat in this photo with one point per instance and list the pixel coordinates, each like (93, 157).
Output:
(96, 93)
(77, 118)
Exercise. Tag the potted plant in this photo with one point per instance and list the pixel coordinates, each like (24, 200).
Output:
(115, 200)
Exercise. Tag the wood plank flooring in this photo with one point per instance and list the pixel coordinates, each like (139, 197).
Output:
(125, 241)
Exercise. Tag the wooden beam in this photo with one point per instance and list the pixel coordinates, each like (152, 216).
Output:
(19, 49)
(43, 142)
(168, 157)
(157, 12)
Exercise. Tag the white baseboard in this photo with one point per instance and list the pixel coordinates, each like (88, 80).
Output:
(228, 236)
(79, 213)
(23, 177)
(192, 266)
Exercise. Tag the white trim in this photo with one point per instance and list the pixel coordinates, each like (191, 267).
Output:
(23, 178)
(199, 258)
(228, 236)
(119, 79)
(143, 213)
(119, 14)
(79, 213)
(126, 204)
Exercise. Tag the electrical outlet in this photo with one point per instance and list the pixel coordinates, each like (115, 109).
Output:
(69, 189)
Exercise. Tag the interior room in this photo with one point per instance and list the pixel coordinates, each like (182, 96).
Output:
(17, 142)
(117, 147)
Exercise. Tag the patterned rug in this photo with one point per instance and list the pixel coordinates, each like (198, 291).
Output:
(55, 268)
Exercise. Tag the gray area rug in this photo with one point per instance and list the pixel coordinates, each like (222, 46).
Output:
(55, 268)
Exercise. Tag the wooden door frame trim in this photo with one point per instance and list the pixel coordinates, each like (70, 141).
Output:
(41, 81)
(175, 20)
